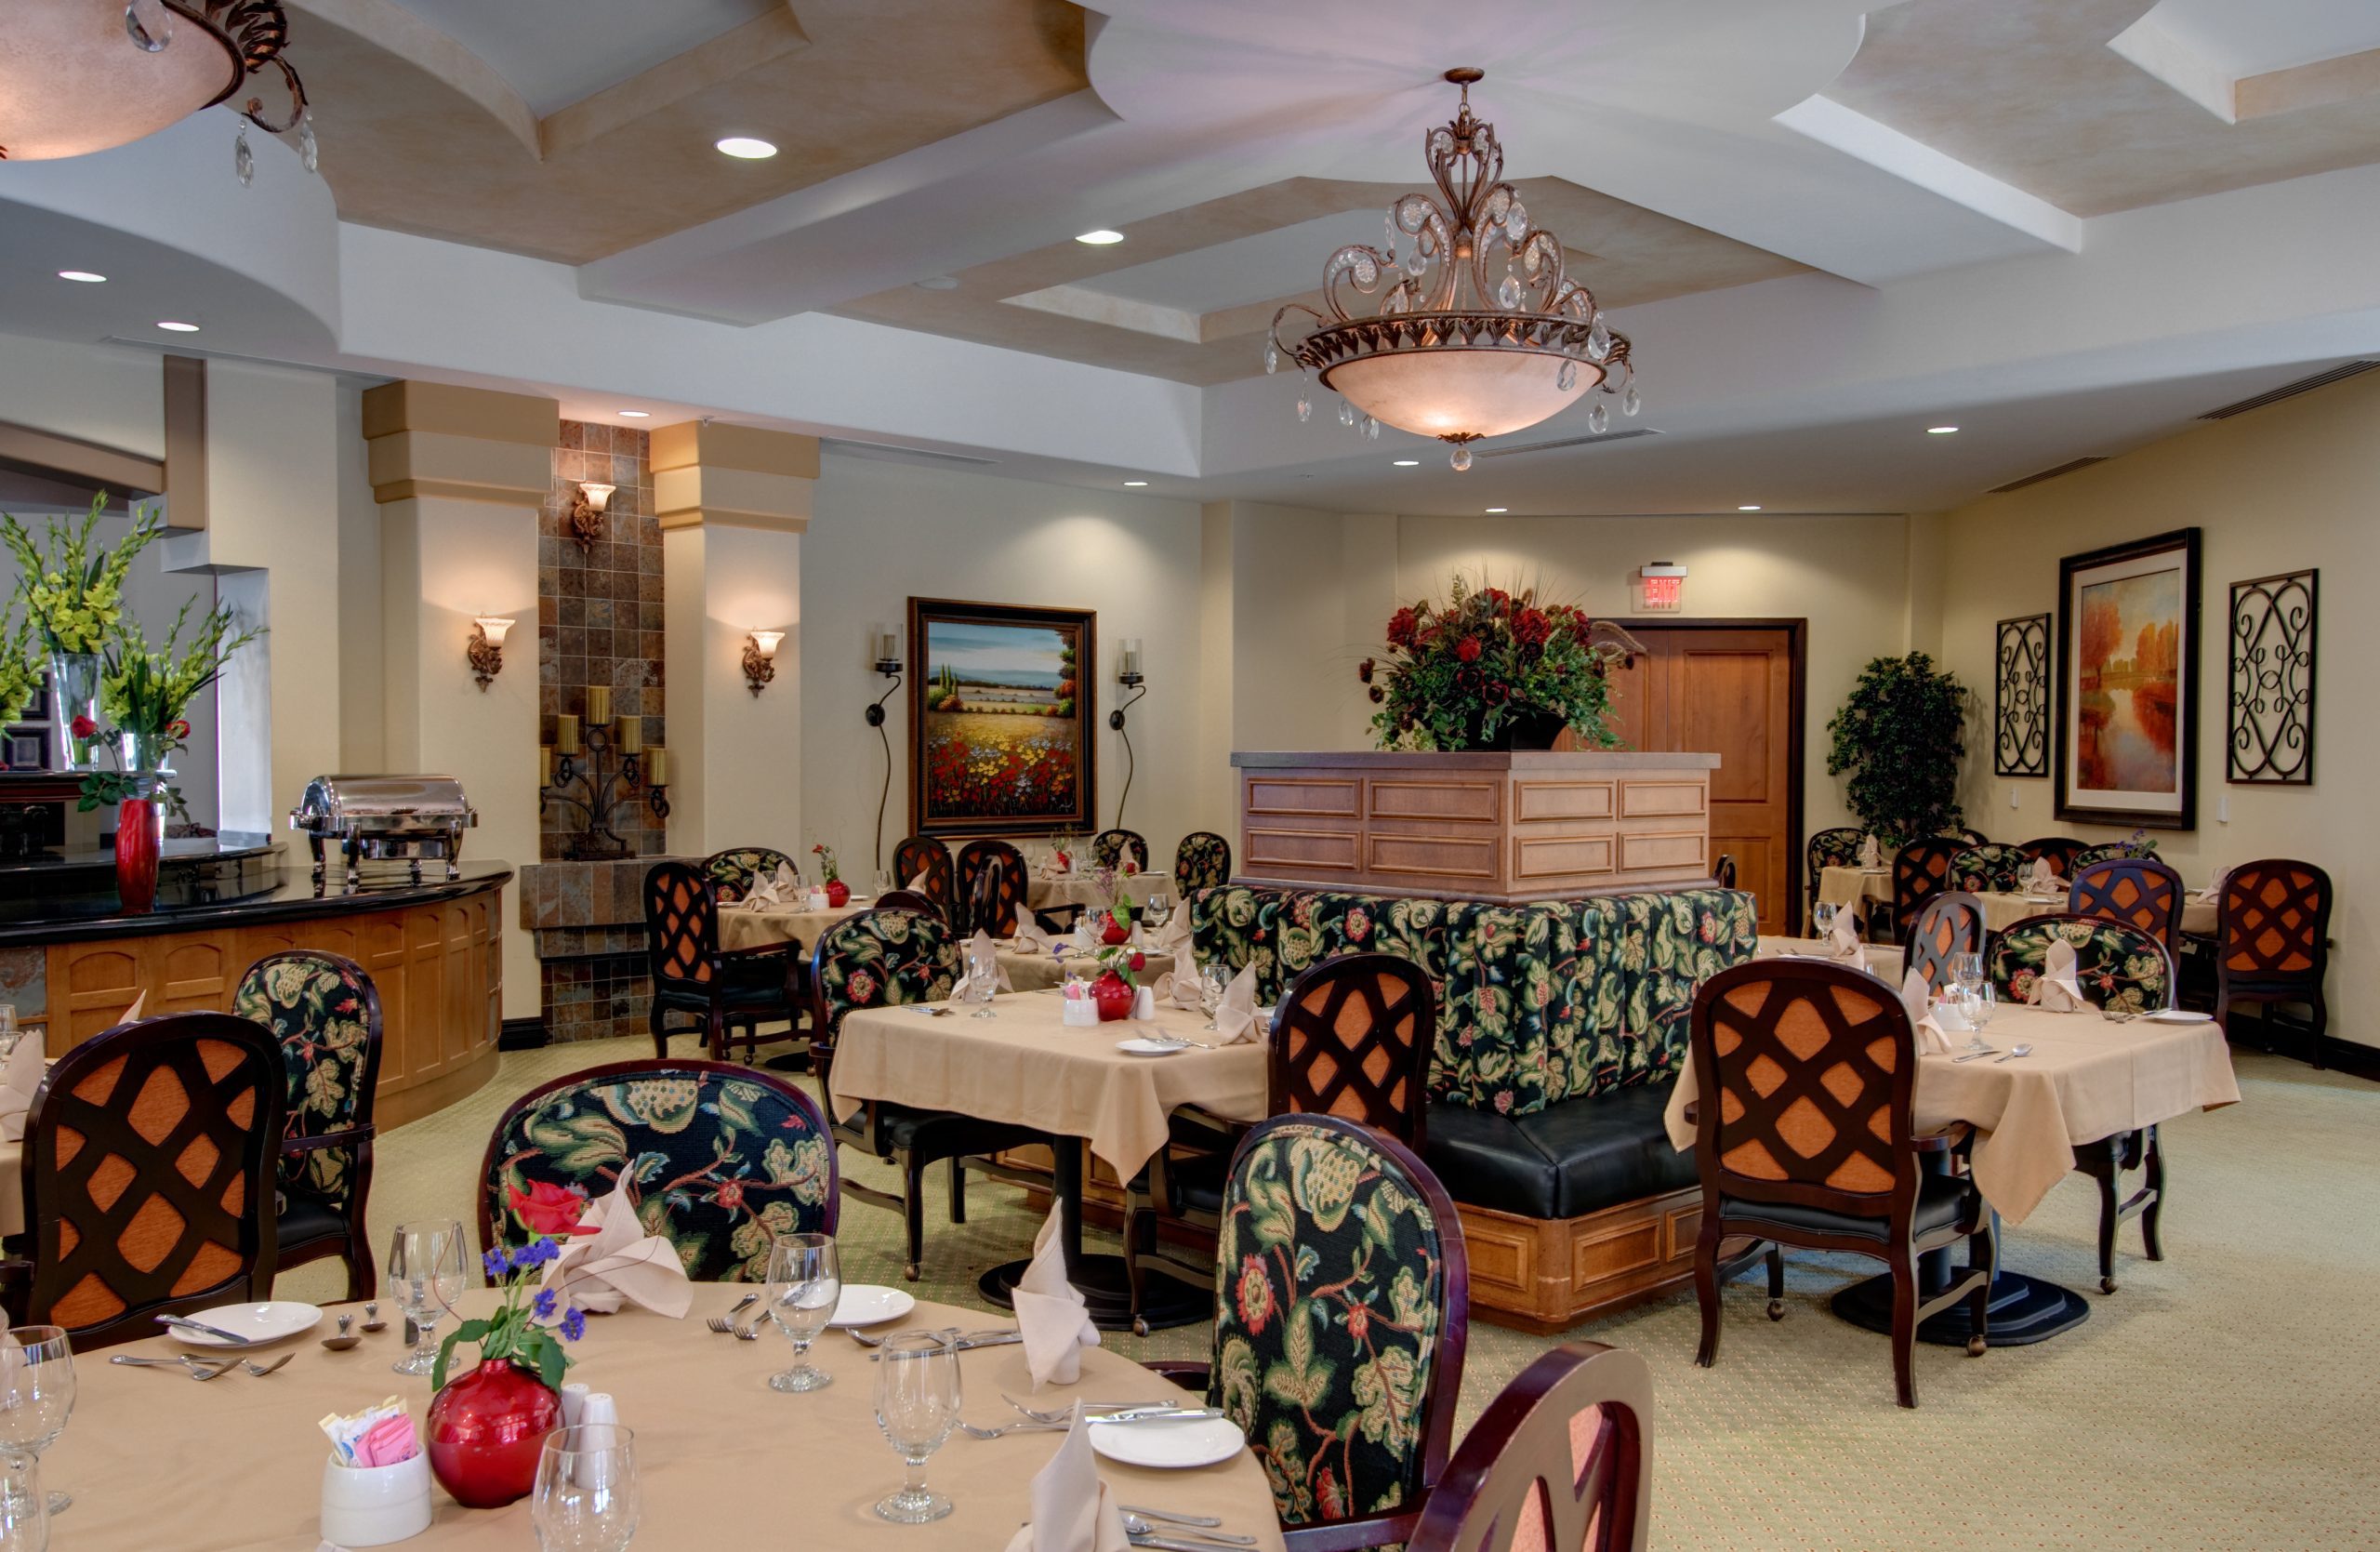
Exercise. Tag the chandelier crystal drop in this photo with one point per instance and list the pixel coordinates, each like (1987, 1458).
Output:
(1476, 331)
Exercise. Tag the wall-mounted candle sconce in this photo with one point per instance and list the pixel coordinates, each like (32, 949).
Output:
(597, 765)
(587, 510)
(485, 648)
(1128, 673)
(884, 656)
(760, 657)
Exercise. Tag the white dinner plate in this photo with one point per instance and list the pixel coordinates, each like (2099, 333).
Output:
(1170, 1446)
(256, 1322)
(867, 1304)
(2179, 1016)
(1149, 1048)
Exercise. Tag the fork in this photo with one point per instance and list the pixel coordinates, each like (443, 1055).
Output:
(878, 1340)
(261, 1370)
(725, 1324)
(197, 1369)
(1064, 1414)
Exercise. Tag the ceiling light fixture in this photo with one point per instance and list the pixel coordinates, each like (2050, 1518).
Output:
(1940, 431)
(172, 327)
(1494, 512)
(1479, 333)
(744, 148)
(1101, 238)
(936, 282)
(1405, 463)
(77, 79)
(1134, 484)
(1747, 508)
(636, 415)
(85, 276)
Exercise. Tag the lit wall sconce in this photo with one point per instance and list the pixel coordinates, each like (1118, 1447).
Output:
(587, 510)
(1128, 673)
(1661, 588)
(485, 648)
(760, 657)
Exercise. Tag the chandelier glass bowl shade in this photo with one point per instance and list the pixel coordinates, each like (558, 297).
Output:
(1474, 330)
(83, 75)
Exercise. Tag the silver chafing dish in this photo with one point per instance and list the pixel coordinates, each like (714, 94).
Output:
(384, 819)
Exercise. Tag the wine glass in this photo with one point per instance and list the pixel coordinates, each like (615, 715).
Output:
(1822, 918)
(36, 1397)
(1976, 1002)
(916, 1405)
(1966, 972)
(805, 1280)
(983, 983)
(24, 1513)
(587, 1498)
(10, 1034)
(424, 1279)
(1159, 909)
(1213, 981)
(883, 883)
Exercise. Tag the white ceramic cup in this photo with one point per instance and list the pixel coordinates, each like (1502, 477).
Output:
(371, 1505)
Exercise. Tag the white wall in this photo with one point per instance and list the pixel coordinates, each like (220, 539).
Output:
(735, 758)
(361, 712)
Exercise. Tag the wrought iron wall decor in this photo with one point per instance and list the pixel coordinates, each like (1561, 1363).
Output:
(2021, 699)
(2270, 730)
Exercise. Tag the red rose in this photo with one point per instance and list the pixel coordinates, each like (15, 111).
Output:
(83, 727)
(1495, 598)
(178, 728)
(547, 1208)
(1402, 627)
(1138, 961)
(1531, 628)
(1364, 671)
(1495, 693)
(1467, 649)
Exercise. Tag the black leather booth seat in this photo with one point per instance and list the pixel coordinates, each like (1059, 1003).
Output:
(1573, 1158)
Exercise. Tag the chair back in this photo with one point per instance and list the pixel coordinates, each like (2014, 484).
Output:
(1351, 1037)
(997, 902)
(1966, 835)
(2137, 891)
(1724, 875)
(149, 1161)
(909, 899)
(923, 857)
(680, 928)
(1109, 848)
(875, 958)
(1948, 925)
(1921, 871)
(972, 859)
(324, 1011)
(733, 872)
(1561, 1460)
(1988, 869)
(1202, 861)
(1806, 1073)
(719, 1159)
(2116, 965)
(2274, 926)
(2059, 849)
(2086, 855)
(1316, 1202)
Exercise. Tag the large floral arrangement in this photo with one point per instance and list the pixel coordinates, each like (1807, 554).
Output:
(20, 673)
(145, 691)
(74, 598)
(1489, 667)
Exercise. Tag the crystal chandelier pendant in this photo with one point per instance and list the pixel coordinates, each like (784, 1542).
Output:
(1371, 428)
(1566, 379)
(1347, 413)
(243, 161)
(1508, 296)
(1629, 400)
(148, 40)
(1305, 408)
(1272, 360)
(309, 152)
(1598, 418)
(1598, 338)
(1460, 459)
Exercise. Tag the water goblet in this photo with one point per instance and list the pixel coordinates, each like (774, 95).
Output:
(805, 1280)
(587, 1498)
(424, 1279)
(1966, 971)
(1976, 1002)
(916, 1405)
(1213, 981)
(1822, 918)
(1158, 911)
(983, 983)
(36, 1397)
(24, 1513)
(883, 883)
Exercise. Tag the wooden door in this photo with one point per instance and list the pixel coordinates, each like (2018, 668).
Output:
(1734, 691)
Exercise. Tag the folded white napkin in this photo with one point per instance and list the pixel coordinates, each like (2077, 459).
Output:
(2043, 879)
(618, 1262)
(132, 1014)
(2215, 891)
(1050, 1313)
(979, 946)
(1918, 998)
(1843, 938)
(776, 891)
(1175, 937)
(1073, 1510)
(1178, 988)
(2057, 990)
(1236, 1018)
(1871, 855)
(19, 1085)
(1031, 937)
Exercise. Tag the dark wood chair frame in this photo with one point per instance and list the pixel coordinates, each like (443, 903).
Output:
(1819, 987)
(974, 861)
(923, 853)
(676, 946)
(1948, 925)
(2159, 909)
(1520, 1450)
(352, 1241)
(57, 1194)
(1921, 871)
(1129, 843)
(909, 899)
(2262, 978)
(2059, 849)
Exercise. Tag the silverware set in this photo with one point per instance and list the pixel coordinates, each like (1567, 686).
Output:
(203, 1369)
(724, 1325)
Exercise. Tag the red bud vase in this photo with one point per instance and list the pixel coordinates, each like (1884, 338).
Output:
(486, 1430)
(1115, 932)
(838, 893)
(1114, 995)
(136, 854)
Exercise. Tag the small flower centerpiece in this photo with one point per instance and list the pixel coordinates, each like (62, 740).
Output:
(1119, 961)
(838, 893)
(74, 598)
(487, 1427)
(1492, 670)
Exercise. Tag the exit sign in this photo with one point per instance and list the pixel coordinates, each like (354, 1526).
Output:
(1662, 595)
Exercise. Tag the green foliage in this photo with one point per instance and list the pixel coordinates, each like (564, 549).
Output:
(73, 596)
(19, 671)
(1456, 673)
(1898, 735)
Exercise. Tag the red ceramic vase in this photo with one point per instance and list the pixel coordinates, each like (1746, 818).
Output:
(1115, 932)
(838, 893)
(1114, 995)
(136, 854)
(486, 1430)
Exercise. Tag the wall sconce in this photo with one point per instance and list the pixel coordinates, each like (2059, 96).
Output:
(1128, 673)
(1661, 588)
(760, 657)
(587, 510)
(485, 648)
(884, 655)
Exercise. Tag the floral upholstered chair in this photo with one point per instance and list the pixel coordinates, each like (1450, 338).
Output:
(733, 872)
(1837, 847)
(720, 1159)
(1113, 848)
(1202, 861)
(1990, 869)
(2119, 968)
(325, 1013)
(1340, 1326)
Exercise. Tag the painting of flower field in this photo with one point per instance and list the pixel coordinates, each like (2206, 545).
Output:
(1001, 737)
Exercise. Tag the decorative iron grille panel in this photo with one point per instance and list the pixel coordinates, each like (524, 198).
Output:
(2269, 731)
(2021, 699)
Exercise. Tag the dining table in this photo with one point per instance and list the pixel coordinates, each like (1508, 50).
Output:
(1025, 1066)
(745, 925)
(1046, 891)
(155, 1459)
(1861, 887)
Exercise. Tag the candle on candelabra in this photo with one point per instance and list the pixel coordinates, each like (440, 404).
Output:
(545, 765)
(598, 705)
(566, 733)
(632, 735)
(657, 766)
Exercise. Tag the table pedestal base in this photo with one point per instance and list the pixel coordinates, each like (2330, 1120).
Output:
(2023, 1310)
(1108, 1294)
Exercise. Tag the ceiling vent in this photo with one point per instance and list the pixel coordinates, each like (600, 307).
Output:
(2045, 474)
(887, 452)
(1566, 441)
(2291, 389)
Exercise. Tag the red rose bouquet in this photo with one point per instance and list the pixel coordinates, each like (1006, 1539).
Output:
(1494, 669)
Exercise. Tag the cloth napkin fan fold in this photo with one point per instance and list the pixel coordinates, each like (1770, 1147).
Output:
(2056, 990)
(1176, 937)
(1871, 855)
(2215, 891)
(1236, 1018)
(1842, 939)
(1918, 998)
(780, 889)
(2043, 879)
(1050, 1314)
(19, 1085)
(1073, 1510)
(1032, 937)
(618, 1262)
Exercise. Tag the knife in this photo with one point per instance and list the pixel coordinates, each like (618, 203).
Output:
(216, 1332)
(1002, 1339)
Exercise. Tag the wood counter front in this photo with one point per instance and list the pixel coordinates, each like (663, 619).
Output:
(1503, 827)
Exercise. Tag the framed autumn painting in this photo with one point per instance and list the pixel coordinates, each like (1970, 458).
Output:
(2127, 683)
(999, 719)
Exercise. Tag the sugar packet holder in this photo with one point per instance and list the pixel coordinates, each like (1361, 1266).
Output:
(376, 1480)
(1075, 1003)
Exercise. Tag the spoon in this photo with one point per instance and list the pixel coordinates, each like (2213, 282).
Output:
(1135, 1526)
(372, 1320)
(2015, 1052)
(345, 1339)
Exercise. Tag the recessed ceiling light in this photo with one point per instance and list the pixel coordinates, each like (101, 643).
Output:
(1940, 431)
(1747, 508)
(1134, 484)
(85, 276)
(746, 148)
(179, 329)
(937, 282)
(1407, 463)
(1101, 238)
(1493, 510)
(636, 415)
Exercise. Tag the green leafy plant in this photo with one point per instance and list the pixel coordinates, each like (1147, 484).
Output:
(1456, 673)
(1898, 735)
(74, 595)
(146, 692)
(20, 671)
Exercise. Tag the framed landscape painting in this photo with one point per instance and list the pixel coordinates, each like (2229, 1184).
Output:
(2127, 683)
(999, 719)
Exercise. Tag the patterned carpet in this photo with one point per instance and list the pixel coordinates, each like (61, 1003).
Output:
(2222, 1399)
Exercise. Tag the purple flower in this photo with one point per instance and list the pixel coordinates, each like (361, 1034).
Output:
(536, 1253)
(494, 1263)
(573, 1324)
(542, 1307)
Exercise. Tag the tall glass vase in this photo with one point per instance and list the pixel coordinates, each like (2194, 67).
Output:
(74, 687)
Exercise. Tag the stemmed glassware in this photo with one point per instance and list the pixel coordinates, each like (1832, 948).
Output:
(424, 1279)
(10, 1034)
(24, 1517)
(36, 1397)
(1213, 981)
(1159, 909)
(587, 1498)
(1977, 1005)
(1822, 918)
(983, 983)
(805, 1281)
(883, 884)
(916, 1405)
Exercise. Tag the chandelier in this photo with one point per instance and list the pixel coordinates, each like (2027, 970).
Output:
(1476, 332)
(83, 75)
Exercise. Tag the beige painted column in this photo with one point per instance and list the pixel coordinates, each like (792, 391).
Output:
(460, 474)
(733, 502)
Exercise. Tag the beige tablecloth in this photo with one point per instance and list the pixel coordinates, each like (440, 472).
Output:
(1842, 887)
(2085, 1079)
(1084, 889)
(12, 1187)
(1884, 959)
(741, 927)
(1027, 1066)
(1036, 971)
(1857, 886)
(157, 1461)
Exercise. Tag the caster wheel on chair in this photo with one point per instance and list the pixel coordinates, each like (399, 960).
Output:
(2107, 1285)
(1777, 1309)
(1975, 1346)
(909, 1272)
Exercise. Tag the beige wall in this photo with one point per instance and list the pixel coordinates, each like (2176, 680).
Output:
(735, 758)
(2279, 489)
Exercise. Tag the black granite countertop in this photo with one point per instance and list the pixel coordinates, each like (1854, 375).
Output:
(218, 848)
(285, 893)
